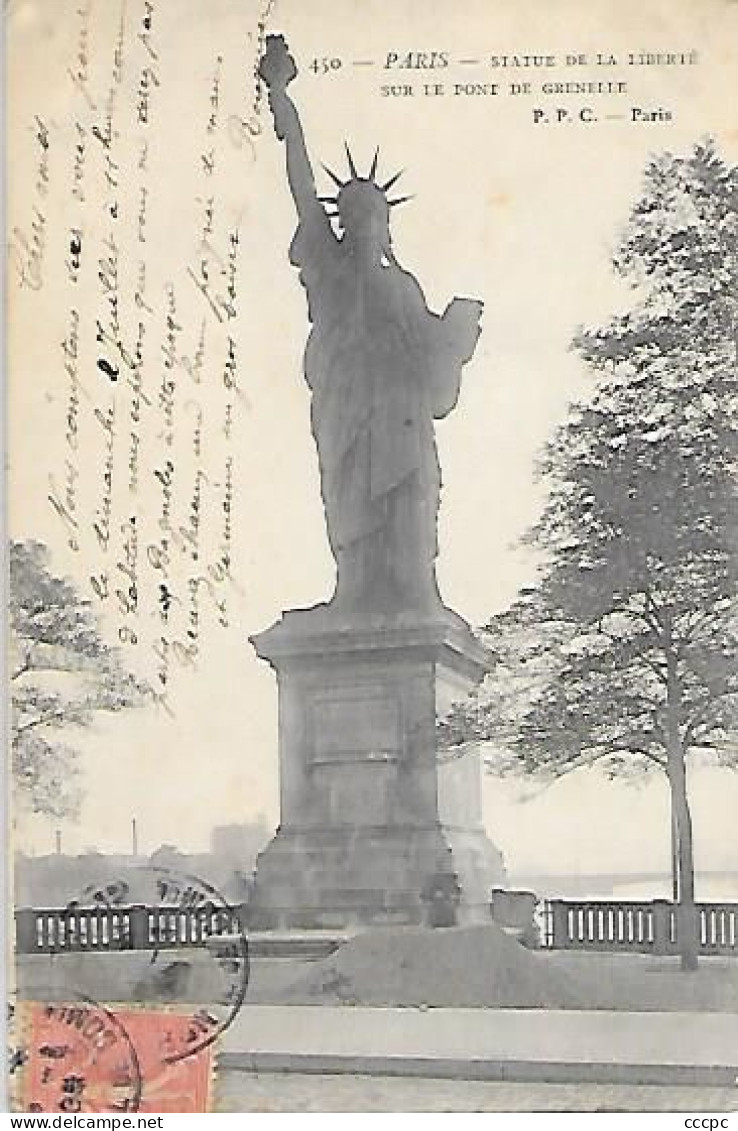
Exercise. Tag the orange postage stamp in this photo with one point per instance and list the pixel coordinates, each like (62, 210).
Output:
(85, 1057)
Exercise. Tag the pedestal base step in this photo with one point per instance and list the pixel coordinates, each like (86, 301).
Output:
(336, 877)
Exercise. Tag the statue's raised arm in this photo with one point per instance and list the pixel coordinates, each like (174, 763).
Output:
(278, 69)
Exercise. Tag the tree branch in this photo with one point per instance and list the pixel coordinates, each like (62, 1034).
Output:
(49, 717)
(26, 666)
(652, 664)
(653, 614)
(645, 753)
(696, 622)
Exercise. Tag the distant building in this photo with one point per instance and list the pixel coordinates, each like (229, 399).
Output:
(56, 880)
(239, 842)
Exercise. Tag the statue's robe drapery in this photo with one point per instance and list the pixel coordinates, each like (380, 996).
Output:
(381, 367)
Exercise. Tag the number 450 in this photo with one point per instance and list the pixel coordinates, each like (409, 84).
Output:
(324, 65)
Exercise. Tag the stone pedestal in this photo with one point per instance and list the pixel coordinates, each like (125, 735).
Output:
(376, 825)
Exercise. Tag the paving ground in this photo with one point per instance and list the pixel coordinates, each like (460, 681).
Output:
(479, 1036)
(273, 1092)
(670, 1049)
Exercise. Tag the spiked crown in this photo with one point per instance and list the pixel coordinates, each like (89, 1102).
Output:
(359, 196)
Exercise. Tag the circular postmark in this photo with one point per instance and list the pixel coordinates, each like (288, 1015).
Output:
(72, 1056)
(175, 945)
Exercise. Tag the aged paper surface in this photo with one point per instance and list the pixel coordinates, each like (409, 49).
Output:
(160, 447)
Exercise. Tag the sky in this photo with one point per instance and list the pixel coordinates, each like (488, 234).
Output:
(521, 215)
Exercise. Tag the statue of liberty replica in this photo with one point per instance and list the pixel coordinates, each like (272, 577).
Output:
(376, 827)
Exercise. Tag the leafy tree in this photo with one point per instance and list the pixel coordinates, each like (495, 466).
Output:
(624, 651)
(62, 674)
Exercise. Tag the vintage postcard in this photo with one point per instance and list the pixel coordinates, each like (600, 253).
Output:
(372, 555)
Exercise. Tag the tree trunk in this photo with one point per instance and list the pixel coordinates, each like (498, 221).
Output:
(674, 855)
(687, 932)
